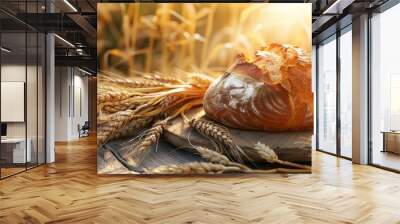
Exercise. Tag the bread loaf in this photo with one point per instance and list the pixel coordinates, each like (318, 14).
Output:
(267, 91)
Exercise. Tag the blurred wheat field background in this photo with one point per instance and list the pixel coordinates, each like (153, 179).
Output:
(174, 38)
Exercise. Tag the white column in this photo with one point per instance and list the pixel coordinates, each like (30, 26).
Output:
(314, 90)
(360, 90)
(50, 100)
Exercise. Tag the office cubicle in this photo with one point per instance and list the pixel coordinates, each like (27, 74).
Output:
(22, 95)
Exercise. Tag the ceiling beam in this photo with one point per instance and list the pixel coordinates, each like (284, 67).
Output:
(337, 7)
(78, 61)
(84, 24)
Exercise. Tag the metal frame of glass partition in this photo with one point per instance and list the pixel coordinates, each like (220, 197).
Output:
(337, 35)
(39, 117)
(382, 8)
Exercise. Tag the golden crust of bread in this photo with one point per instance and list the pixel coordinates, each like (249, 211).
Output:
(267, 91)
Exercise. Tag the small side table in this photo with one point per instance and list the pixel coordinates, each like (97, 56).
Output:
(391, 141)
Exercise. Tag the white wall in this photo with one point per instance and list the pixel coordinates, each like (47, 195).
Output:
(62, 81)
(14, 73)
(70, 83)
(80, 109)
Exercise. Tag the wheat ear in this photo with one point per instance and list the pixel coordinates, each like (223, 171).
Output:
(112, 96)
(220, 136)
(120, 81)
(121, 105)
(111, 124)
(133, 127)
(193, 168)
(163, 78)
(135, 153)
(200, 80)
(270, 156)
(218, 158)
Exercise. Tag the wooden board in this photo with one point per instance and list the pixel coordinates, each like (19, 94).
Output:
(174, 147)
(289, 146)
(159, 154)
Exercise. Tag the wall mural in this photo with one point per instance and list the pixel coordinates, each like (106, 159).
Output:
(190, 88)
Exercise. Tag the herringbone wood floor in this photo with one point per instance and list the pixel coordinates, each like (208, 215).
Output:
(70, 191)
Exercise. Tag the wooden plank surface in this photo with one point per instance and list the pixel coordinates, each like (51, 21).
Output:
(289, 146)
(174, 148)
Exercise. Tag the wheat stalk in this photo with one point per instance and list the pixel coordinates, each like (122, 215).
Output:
(133, 127)
(120, 81)
(104, 88)
(115, 106)
(193, 168)
(270, 156)
(169, 100)
(162, 78)
(200, 80)
(218, 158)
(111, 124)
(220, 136)
(154, 107)
(110, 96)
(135, 153)
(281, 170)
(134, 91)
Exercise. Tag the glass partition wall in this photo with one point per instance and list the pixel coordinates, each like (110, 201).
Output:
(334, 93)
(385, 90)
(22, 77)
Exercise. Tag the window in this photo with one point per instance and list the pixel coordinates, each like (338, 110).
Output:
(385, 89)
(327, 96)
(346, 92)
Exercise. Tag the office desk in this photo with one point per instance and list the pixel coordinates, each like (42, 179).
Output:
(13, 150)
